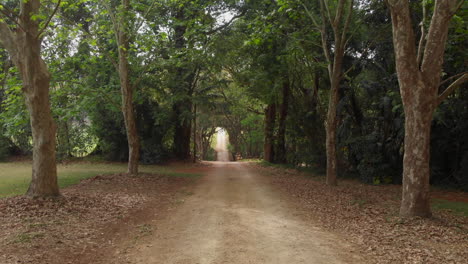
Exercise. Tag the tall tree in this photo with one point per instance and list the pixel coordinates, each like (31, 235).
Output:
(283, 113)
(23, 43)
(419, 75)
(121, 23)
(334, 53)
(268, 145)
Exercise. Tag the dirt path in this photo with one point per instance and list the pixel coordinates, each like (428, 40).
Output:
(235, 216)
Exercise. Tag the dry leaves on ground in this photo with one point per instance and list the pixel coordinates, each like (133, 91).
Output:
(84, 222)
(367, 215)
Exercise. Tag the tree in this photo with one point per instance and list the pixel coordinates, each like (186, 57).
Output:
(23, 43)
(419, 75)
(339, 23)
(121, 23)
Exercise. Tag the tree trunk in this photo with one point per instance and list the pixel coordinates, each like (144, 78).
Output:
(25, 50)
(415, 196)
(419, 79)
(334, 58)
(195, 133)
(281, 142)
(127, 93)
(332, 120)
(330, 130)
(182, 133)
(270, 115)
(182, 91)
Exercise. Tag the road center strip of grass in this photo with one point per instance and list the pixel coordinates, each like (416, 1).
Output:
(16, 176)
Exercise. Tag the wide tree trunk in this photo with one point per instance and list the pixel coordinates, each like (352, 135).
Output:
(24, 46)
(36, 81)
(281, 142)
(127, 91)
(270, 116)
(419, 75)
(415, 196)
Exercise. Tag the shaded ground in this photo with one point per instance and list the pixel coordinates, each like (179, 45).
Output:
(367, 216)
(236, 213)
(88, 223)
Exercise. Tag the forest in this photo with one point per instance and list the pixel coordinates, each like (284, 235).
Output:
(374, 91)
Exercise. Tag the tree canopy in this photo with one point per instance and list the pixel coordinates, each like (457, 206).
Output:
(307, 83)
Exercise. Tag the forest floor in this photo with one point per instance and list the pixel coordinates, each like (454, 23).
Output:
(234, 213)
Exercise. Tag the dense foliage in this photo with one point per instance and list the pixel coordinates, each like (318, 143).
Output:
(202, 64)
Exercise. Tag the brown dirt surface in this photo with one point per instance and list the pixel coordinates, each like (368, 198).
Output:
(87, 223)
(236, 213)
(367, 216)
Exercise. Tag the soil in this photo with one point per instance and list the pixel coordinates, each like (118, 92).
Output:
(234, 213)
(235, 216)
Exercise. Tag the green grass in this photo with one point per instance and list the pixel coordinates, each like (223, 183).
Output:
(27, 237)
(15, 176)
(460, 208)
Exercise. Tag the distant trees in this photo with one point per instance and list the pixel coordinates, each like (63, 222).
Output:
(419, 74)
(23, 39)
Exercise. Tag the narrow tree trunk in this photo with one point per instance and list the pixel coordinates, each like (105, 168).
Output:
(270, 115)
(127, 93)
(332, 120)
(330, 129)
(281, 142)
(340, 27)
(195, 133)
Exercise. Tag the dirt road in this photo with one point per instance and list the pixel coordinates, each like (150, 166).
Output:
(234, 216)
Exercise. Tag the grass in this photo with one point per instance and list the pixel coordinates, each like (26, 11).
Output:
(27, 237)
(460, 208)
(15, 176)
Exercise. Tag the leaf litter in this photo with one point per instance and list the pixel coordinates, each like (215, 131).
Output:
(367, 216)
(85, 223)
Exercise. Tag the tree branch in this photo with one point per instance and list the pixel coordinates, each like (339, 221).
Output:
(344, 41)
(338, 14)
(49, 19)
(227, 24)
(7, 39)
(137, 28)
(309, 13)
(451, 88)
(451, 78)
(330, 19)
(323, 33)
(459, 5)
(436, 40)
(423, 35)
